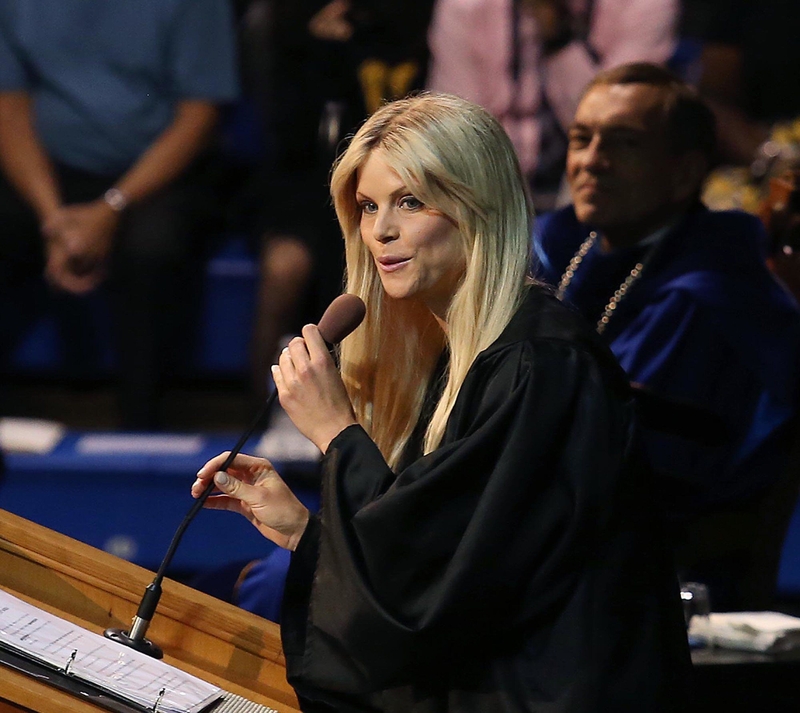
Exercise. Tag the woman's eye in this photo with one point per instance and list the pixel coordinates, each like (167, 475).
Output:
(411, 202)
(368, 207)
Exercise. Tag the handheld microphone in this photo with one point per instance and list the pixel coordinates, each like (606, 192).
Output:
(343, 315)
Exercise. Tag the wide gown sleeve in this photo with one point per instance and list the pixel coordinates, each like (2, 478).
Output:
(469, 546)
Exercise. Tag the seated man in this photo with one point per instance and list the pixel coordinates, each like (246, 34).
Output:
(681, 293)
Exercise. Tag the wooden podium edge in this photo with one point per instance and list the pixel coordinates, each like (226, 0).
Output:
(211, 639)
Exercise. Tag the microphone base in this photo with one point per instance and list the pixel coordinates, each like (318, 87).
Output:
(144, 646)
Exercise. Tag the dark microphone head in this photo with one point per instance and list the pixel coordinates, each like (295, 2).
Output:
(343, 315)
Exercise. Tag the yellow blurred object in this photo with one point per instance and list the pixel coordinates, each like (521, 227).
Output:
(783, 134)
(381, 82)
(747, 188)
(724, 188)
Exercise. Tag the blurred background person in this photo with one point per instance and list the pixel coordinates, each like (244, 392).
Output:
(332, 63)
(105, 112)
(528, 61)
(749, 70)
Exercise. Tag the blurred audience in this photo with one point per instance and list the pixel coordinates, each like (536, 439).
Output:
(528, 61)
(750, 71)
(105, 111)
(333, 62)
(681, 293)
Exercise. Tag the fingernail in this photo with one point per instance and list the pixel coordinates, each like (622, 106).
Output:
(197, 482)
(274, 368)
(221, 478)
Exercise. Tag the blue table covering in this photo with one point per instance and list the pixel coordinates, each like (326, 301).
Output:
(130, 501)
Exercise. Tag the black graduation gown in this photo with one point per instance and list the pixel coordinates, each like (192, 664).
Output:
(515, 568)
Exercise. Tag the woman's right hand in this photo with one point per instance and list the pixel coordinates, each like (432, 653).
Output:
(253, 488)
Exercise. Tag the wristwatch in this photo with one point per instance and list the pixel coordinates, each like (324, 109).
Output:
(115, 199)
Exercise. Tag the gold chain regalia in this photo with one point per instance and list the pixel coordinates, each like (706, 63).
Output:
(619, 293)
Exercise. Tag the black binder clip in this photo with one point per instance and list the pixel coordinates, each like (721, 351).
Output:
(157, 704)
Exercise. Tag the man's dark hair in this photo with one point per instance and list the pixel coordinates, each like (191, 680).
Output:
(689, 121)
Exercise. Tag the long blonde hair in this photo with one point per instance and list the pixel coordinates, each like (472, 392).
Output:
(454, 157)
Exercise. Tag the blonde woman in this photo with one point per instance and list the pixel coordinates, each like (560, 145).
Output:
(483, 543)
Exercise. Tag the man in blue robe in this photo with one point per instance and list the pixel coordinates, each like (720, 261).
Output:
(681, 293)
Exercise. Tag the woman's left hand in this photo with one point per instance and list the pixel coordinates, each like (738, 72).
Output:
(311, 390)
(253, 488)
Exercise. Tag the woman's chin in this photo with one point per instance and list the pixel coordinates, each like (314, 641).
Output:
(396, 291)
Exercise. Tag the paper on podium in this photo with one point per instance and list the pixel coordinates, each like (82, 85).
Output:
(117, 669)
(765, 631)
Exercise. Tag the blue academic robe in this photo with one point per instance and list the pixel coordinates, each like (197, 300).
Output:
(706, 323)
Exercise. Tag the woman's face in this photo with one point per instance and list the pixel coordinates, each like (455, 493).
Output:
(417, 250)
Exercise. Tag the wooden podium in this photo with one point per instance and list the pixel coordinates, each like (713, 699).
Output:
(231, 648)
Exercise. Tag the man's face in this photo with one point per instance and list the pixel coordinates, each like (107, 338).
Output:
(620, 170)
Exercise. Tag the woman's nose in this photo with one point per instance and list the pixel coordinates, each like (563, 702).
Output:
(386, 228)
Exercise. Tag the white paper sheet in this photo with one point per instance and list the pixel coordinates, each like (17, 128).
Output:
(112, 666)
(765, 631)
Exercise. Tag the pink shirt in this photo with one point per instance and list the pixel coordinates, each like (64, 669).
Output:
(471, 44)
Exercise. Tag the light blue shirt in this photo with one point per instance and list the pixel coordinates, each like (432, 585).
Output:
(105, 75)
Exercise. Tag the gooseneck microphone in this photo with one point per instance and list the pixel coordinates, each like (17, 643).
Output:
(343, 315)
